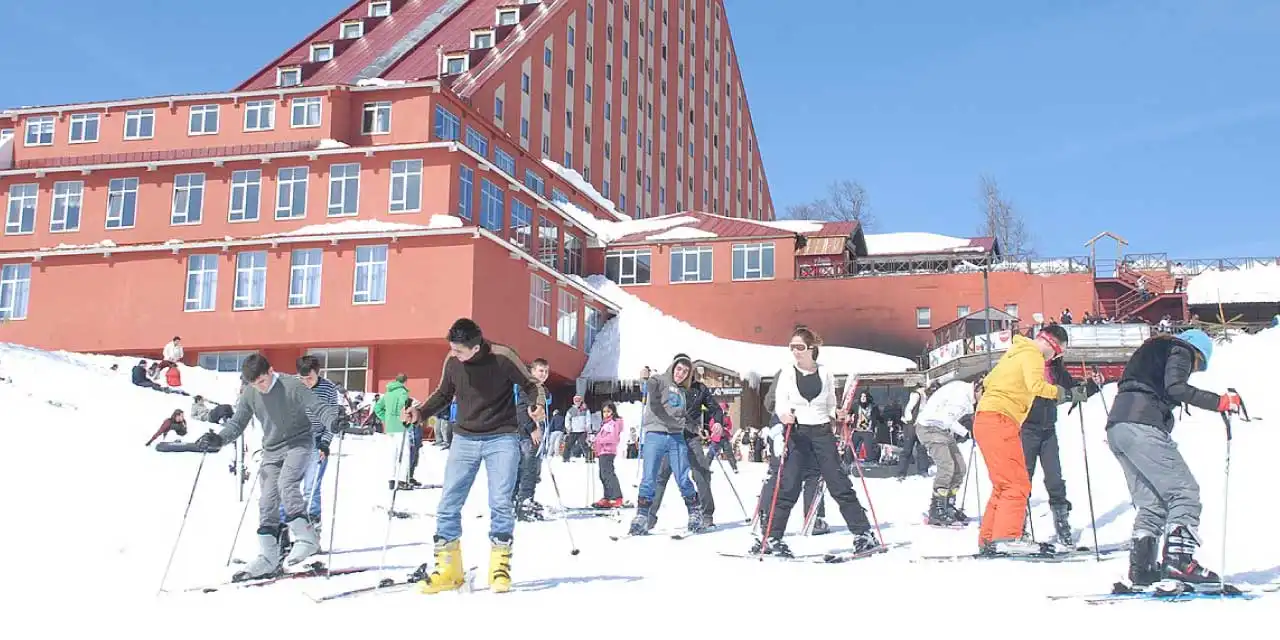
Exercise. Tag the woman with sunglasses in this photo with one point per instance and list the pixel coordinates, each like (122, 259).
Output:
(805, 400)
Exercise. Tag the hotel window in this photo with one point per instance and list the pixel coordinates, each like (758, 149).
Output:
(202, 282)
(453, 65)
(962, 310)
(535, 182)
(753, 261)
(595, 322)
(466, 191)
(321, 52)
(539, 304)
(548, 242)
(504, 161)
(1011, 309)
(84, 128)
(628, 267)
(259, 115)
(492, 205)
(521, 223)
(567, 319)
(380, 9)
(139, 124)
(224, 361)
(406, 186)
(246, 188)
(291, 193)
(251, 281)
(507, 17)
(15, 291)
(288, 77)
(482, 39)
(447, 125)
(377, 118)
(122, 203)
(304, 277)
(188, 199)
(344, 189)
(572, 255)
(39, 131)
(923, 317)
(203, 120)
(347, 368)
(305, 112)
(351, 29)
(477, 142)
(67, 198)
(371, 275)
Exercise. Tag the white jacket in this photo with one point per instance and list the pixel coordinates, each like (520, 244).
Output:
(173, 352)
(787, 398)
(946, 406)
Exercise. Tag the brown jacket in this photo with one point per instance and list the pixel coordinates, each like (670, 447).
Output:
(484, 387)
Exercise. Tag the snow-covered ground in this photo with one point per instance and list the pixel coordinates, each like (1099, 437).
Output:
(1252, 284)
(91, 514)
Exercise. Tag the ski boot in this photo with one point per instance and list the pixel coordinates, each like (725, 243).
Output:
(775, 547)
(1179, 564)
(939, 512)
(957, 516)
(448, 574)
(267, 564)
(306, 542)
(1144, 567)
(286, 544)
(1014, 547)
(1062, 525)
(708, 522)
(864, 541)
(500, 564)
(640, 524)
(695, 514)
(529, 511)
(820, 527)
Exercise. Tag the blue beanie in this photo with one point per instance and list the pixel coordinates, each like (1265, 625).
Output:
(1201, 342)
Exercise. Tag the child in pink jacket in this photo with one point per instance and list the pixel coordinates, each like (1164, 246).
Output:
(606, 447)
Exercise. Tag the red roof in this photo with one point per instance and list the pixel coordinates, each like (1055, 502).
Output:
(721, 226)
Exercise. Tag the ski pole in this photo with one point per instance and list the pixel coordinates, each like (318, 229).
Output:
(777, 484)
(734, 489)
(333, 515)
(810, 517)
(870, 505)
(185, 512)
(244, 510)
(1226, 502)
(1088, 482)
(567, 527)
(964, 492)
(395, 487)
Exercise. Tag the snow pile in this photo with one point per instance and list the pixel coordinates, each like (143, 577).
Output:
(355, 225)
(682, 233)
(912, 242)
(1256, 284)
(574, 178)
(641, 335)
(101, 244)
(794, 226)
(330, 143)
(609, 231)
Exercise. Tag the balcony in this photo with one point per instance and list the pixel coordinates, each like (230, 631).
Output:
(822, 268)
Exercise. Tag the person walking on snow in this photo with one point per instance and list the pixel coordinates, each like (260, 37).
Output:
(664, 421)
(389, 409)
(1161, 485)
(940, 426)
(481, 375)
(283, 406)
(701, 408)
(531, 435)
(805, 400)
(722, 438)
(606, 447)
(327, 391)
(1008, 391)
(577, 422)
(1040, 441)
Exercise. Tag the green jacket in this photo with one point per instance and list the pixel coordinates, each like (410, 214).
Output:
(389, 406)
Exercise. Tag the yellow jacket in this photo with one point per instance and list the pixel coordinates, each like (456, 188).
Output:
(1017, 379)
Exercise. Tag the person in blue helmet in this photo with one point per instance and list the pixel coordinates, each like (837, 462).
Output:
(1163, 490)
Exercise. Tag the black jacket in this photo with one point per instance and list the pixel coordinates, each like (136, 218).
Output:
(700, 408)
(1155, 381)
(484, 387)
(1044, 412)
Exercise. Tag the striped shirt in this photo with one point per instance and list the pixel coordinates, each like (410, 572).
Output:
(328, 394)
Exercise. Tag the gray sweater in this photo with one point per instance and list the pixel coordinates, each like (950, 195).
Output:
(664, 412)
(282, 410)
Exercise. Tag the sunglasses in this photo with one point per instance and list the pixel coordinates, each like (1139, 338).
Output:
(799, 347)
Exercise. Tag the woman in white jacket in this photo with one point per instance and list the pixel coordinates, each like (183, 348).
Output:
(939, 426)
(805, 401)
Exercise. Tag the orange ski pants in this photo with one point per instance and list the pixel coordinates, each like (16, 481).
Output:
(1000, 439)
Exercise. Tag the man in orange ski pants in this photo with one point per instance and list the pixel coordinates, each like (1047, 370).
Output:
(1008, 390)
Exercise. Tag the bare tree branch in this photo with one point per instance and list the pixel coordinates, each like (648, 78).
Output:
(1002, 221)
(846, 201)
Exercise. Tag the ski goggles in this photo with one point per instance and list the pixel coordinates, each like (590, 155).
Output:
(1052, 342)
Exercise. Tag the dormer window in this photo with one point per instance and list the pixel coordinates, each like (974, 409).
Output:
(321, 52)
(507, 17)
(352, 29)
(482, 39)
(454, 65)
(288, 76)
(380, 9)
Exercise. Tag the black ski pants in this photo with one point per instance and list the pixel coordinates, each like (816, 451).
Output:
(1039, 441)
(699, 468)
(913, 449)
(807, 445)
(575, 441)
(609, 478)
(811, 477)
(530, 471)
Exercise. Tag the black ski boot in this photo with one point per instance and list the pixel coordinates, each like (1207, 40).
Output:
(957, 516)
(640, 523)
(1144, 567)
(695, 514)
(775, 547)
(1062, 525)
(820, 526)
(864, 541)
(1179, 561)
(940, 512)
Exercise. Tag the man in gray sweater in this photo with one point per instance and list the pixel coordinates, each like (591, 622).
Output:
(280, 403)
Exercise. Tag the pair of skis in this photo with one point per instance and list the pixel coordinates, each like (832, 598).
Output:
(310, 570)
(1171, 591)
(1047, 553)
(835, 556)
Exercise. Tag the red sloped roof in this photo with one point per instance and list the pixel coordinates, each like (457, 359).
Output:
(721, 226)
(423, 62)
(833, 229)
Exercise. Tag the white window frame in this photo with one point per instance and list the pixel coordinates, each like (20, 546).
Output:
(698, 255)
(202, 112)
(303, 107)
(1012, 309)
(358, 25)
(201, 279)
(449, 60)
(15, 291)
(137, 118)
(41, 127)
(567, 319)
(924, 317)
(539, 304)
(121, 195)
(288, 76)
(482, 33)
(251, 281)
(376, 120)
(340, 177)
(285, 186)
(213, 360)
(308, 275)
(504, 14)
(630, 278)
(23, 198)
(745, 250)
(962, 310)
(182, 194)
(316, 50)
(373, 262)
(341, 374)
(259, 108)
(244, 182)
(379, 8)
(406, 178)
(67, 195)
(83, 121)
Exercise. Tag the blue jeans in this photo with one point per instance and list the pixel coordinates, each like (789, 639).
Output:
(501, 457)
(671, 447)
(311, 486)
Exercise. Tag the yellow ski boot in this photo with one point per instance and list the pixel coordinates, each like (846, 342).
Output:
(500, 566)
(448, 574)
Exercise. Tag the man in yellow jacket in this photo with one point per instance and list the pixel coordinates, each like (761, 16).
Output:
(1017, 379)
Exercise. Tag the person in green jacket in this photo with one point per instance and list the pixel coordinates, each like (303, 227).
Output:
(388, 408)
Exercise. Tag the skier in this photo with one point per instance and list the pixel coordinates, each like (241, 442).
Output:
(1008, 390)
(606, 448)
(772, 437)
(664, 422)
(388, 409)
(940, 425)
(281, 405)
(481, 376)
(1161, 485)
(806, 402)
(700, 408)
(1040, 441)
(528, 509)
(309, 372)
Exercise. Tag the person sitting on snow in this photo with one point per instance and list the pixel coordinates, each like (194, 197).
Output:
(176, 423)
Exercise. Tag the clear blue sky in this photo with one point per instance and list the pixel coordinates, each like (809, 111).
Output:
(1159, 120)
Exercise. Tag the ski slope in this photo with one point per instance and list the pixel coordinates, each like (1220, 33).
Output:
(91, 516)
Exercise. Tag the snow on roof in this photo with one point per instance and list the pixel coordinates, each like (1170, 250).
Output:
(330, 143)
(610, 230)
(793, 226)
(105, 244)
(641, 335)
(682, 233)
(574, 178)
(370, 226)
(912, 242)
(1252, 284)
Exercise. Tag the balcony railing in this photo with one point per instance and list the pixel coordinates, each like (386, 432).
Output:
(873, 266)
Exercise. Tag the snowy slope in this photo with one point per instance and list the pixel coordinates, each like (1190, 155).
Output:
(642, 335)
(1255, 284)
(91, 516)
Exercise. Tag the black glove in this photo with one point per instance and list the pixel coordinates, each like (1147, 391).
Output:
(963, 438)
(323, 447)
(340, 426)
(209, 442)
(1079, 394)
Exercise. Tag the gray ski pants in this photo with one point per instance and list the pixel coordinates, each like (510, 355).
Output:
(281, 477)
(942, 448)
(1160, 484)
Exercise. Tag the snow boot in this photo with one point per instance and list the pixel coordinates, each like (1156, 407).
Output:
(939, 512)
(957, 515)
(500, 564)
(775, 547)
(1062, 525)
(640, 524)
(1144, 567)
(448, 574)
(306, 542)
(695, 513)
(1179, 561)
(267, 563)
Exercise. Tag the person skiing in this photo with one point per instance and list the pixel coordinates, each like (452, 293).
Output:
(1040, 441)
(1008, 390)
(940, 425)
(606, 448)
(664, 421)
(481, 375)
(772, 438)
(388, 409)
(309, 371)
(283, 406)
(1161, 485)
(805, 401)
(700, 409)
(531, 435)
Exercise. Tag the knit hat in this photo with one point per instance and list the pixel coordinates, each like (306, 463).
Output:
(1201, 342)
(682, 357)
